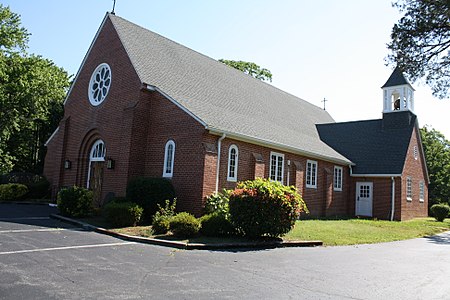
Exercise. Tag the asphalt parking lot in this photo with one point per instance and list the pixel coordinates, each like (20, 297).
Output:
(41, 258)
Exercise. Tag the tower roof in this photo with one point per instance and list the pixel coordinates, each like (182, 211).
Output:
(396, 78)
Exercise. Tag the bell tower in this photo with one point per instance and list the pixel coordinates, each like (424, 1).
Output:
(398, 102)
(398, 94)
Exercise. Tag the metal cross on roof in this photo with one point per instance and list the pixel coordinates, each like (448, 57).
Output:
(324, 101)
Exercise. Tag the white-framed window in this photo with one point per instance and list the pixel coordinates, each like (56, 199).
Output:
(311, 174)
(98, 151)
(97, 154)
(169, 156)
(276, 166)
(99, 84)
(421, 191)
(408, 189)
(337, 182)
(233, 161)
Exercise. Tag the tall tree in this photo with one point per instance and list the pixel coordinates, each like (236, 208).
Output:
(249, 68)
(420, 42)
(437, 154)
(31, 93)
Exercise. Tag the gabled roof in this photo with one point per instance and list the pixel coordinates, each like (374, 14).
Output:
(222, 98)
(374, 149)
(396, 78)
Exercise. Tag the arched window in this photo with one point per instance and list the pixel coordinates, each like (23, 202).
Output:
(233, 156)
(99, 84)
(98, 151)
(169, 156)
(97, 154)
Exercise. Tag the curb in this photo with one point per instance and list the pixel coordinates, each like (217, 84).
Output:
(189, 246)
(29, 203)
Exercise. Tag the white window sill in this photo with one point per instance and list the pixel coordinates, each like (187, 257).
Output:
(408, 199)
(168, 175)
(337, 190)
(232, 179)
(311, 186)
(421, 200)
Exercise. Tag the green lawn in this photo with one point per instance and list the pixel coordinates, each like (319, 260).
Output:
(331, 232)
(358, 231)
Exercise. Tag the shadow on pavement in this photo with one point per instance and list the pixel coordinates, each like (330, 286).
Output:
(442, 239)
(29, 214)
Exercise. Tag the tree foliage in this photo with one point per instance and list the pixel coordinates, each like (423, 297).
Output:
(32, 90)
(12, 35)
(437, 154)
(420, 42)
(249, 68)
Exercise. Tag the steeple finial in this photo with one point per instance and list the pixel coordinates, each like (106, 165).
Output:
(114, 7)
(324, 101)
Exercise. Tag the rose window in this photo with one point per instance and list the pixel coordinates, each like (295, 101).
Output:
(99, 84)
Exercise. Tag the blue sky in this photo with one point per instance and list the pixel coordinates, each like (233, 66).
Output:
(314, 49)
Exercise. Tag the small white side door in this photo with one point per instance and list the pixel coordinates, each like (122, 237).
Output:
(364, 198)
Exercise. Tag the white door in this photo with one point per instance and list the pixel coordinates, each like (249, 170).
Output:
(364, 198)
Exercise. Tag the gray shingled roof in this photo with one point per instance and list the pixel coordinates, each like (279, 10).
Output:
(373, 149)
(396, 78)
(223, 98)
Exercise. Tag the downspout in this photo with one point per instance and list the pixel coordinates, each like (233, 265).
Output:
(219, 146)
(393, 198)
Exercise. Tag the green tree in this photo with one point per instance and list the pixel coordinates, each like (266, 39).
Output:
(249, 68)
(420, 43)
(437, 154)
(32, 90)
(13, 36)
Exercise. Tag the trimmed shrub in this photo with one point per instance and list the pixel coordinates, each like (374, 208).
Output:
(440, 211)
(161, 219)
(122, 214)
(218, 203)
(38, 186)
(39, 189)
(262, 207)
(12, 191)
(184, 225)
(148, 193)
(216, 224)
(161, 225)
(75, 202)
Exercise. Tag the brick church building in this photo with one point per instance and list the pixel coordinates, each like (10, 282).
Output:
(143, 105)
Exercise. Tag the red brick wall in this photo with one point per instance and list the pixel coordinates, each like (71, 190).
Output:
(111, 121)
(381, 196)
(168, 122)
(316, 199)
(414, 168)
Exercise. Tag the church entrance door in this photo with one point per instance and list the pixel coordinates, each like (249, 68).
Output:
(96, 181)
(95, 171)
(364, 197)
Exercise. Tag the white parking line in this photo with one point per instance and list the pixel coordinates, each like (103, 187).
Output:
(67, 248)
(25, 218)
(32, 230)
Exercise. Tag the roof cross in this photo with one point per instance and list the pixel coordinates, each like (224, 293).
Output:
(324, 101)
(114, 6)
